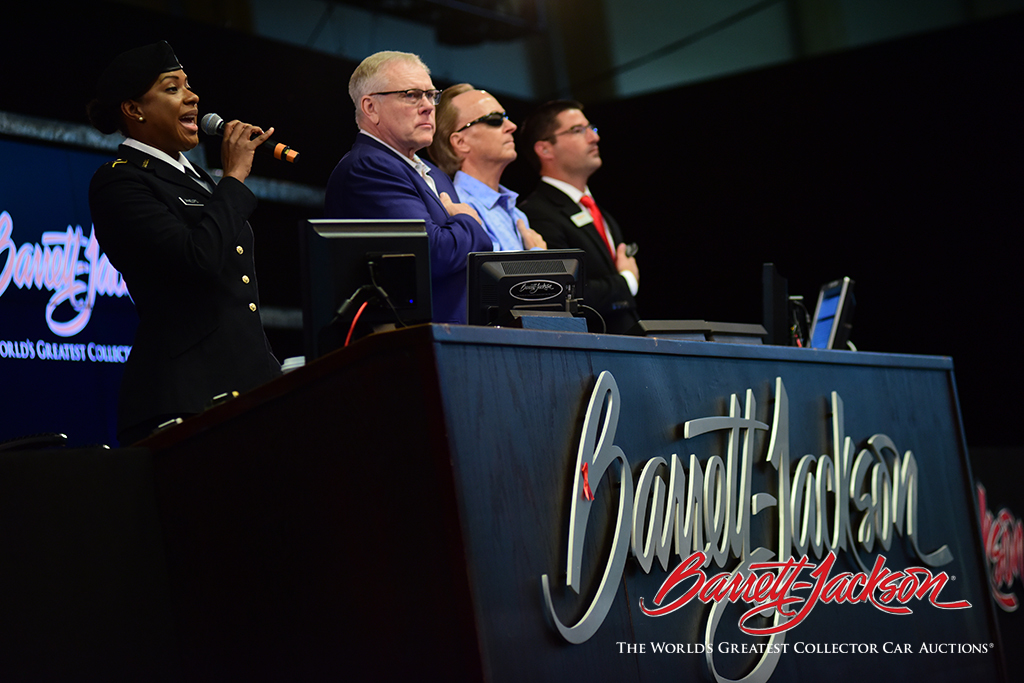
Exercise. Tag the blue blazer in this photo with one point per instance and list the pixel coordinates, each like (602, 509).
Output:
(371, 181)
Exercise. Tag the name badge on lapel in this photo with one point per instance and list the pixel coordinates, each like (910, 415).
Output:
(582, 218)
(190, 201)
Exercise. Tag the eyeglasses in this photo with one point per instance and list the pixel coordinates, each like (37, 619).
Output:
(576, 130)
(414, 95)
(495, 118)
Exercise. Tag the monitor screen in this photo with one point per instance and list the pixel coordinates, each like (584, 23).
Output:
(833, 315)
(539, 280)
(348, 262)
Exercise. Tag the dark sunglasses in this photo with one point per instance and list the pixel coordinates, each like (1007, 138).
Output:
(495, 118)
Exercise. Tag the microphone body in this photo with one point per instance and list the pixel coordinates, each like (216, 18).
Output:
(213, 124)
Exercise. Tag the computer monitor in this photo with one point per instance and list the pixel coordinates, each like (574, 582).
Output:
(833, 315)
(775, 311)
(346, 262)
(544, 281)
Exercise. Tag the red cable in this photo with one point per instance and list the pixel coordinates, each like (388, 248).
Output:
(354, 321)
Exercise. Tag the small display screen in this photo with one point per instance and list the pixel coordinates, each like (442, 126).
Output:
(832, 316)
(826, 319)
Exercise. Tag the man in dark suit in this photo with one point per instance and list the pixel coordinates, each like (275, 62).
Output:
(563, 147)
(382, 177)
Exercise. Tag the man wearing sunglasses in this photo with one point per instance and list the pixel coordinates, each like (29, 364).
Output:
(562, 146)
(383, 177)
(474, 144)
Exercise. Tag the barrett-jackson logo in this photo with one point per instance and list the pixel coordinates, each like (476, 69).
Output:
(536, 290)
(1003, 536)
(705, 513)
(57, 266)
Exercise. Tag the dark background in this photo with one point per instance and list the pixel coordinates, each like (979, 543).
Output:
(898, 165)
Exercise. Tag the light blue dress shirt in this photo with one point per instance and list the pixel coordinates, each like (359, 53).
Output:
(497, 210)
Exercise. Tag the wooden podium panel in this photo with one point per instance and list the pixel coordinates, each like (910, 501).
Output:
(390, 509)
(312, 521)
(83, 580)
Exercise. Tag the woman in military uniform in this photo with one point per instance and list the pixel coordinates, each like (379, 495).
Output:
(181, 241)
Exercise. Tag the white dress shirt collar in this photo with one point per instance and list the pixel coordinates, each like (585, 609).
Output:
(415, 161)
(573, 193)
(181, 163)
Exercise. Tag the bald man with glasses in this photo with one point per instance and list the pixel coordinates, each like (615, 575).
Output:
(382, 176)
(474, 145)
(562, 145)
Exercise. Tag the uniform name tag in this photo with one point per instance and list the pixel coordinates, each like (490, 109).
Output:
(582, 218)
(190, 201)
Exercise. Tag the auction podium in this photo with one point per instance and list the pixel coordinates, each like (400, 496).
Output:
(388, 511)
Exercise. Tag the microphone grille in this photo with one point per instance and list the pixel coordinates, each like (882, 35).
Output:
(212, 124)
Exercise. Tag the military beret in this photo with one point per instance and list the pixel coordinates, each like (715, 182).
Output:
(131, 73)
(128, 77)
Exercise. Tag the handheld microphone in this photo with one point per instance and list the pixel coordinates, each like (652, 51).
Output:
(213, 124)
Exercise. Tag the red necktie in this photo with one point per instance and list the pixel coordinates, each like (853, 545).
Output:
(588, 201)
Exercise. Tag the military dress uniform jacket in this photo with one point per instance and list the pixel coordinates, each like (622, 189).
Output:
(186, 255)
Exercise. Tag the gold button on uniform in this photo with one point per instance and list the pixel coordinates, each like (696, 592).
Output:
(239, 249)
(245, 279)
(252, 307)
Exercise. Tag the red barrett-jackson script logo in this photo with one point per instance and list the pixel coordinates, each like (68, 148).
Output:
(1004, 548)
(771, 591)
(849, 501)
